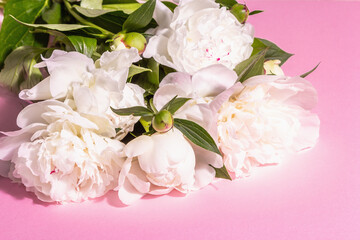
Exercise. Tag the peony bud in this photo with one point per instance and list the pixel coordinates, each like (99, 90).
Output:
(163, 121)
(128, 40)
(241, 12)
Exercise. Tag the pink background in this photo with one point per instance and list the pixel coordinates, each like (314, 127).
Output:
(314, 195)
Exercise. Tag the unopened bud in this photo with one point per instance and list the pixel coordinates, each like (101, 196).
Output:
(163, 121)
(241, 12)
(128, 40)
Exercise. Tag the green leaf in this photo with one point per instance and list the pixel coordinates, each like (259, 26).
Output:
(84, 45)
(12, 34)
(170, 5)
(174, 104)
(135, 111)
(153, 76)
(91, 12)
(52, 15)
(141, 17)
(273, 52)
(227, 3)
(118, 1)
(91, 4)
(251, 67)
(127, 8)
(111, 20)
(134, 70)
(222, 173)
(196, 134)
(58, 37)
(309, 72)
(58, 27)
(255, 12)
(18, 72)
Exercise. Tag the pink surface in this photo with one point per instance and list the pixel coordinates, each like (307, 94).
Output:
(314, 195)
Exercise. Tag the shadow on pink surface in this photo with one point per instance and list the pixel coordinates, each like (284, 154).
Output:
(18, 192)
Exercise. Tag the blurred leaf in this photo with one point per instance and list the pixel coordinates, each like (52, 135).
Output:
(255, 12)
(52, 15)
(222, 173)
(170, 5)
(13, 34)
(273, 52)
(251, 67)
(227, 3)
(174, 104)
(84, 45)
(196, 134)
(18, 71)
(91, 4)
(134, 70)
(309, 72)
(153, 76)
(127, 8)
(135, 111)
(141, 17)
(91, 12)
(58, 27)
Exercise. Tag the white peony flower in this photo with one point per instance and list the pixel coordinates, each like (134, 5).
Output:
(266, 119)
(91, 88)
(197, 35)
(208, 89)
(156, 165)
(59, 155)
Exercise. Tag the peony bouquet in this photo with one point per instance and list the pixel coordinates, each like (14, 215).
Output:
(145, 97)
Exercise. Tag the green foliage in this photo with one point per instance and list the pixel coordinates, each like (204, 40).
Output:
(84, 45)
(255, 12)
(227, 3)
(91, 4)
(141, 17)
(135, 111)
(309, 72)
(18, 72)
(196, 134)
(222, 173)
(273, 51)
(175, 104)
(52, 15)
(251, 67)
(13, 34)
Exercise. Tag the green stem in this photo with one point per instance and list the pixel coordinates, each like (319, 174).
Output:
(85, 22)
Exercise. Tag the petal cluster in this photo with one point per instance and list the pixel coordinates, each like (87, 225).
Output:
(199, 34)
(59, 155)
(266, 119)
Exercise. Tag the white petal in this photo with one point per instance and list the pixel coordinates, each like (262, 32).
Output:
(128, 194)
(216, 104)
(32, 113)
(162, 14)
(164, 94)
(212, 80)
(41, 91)
(10, 144)
(204, 175)
(138, 146)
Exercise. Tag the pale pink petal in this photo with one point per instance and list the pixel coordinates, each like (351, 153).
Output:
(212, 80)
(164, 94)
(128, 194)
(218, 101)
(204, 175)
